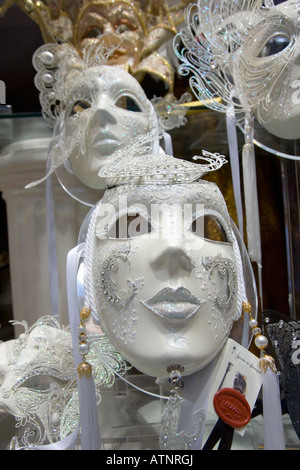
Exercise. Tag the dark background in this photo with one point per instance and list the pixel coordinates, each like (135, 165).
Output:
(19, 38)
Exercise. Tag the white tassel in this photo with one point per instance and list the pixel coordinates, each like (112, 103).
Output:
(89, 425)
(272, 413)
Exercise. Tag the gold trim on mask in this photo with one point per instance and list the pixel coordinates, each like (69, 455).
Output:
(154, 24)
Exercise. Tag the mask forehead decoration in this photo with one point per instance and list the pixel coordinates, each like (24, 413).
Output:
(159, 287)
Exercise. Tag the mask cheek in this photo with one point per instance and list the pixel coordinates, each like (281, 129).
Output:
(218, 280)
(132, 124)
(116, 294)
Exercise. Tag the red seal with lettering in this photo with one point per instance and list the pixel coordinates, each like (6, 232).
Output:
(232, 407)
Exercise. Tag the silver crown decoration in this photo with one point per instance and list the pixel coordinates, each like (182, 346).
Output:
(137, 163)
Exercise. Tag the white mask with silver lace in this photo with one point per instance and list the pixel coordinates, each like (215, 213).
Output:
(163, 271)
(162, 262)
(95, 108)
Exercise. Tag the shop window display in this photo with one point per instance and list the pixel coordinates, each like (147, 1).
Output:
(197, 275)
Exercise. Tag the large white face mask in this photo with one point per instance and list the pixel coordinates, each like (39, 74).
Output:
(107, 109)
(267, 68)
(164, 273)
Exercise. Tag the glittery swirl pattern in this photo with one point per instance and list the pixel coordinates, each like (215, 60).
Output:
(212, 272)
(215, 49)
(119, 306)
(108, 285)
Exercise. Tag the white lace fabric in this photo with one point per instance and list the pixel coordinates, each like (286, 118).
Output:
(39, 382)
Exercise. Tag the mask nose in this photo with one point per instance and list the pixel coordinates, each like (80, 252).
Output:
(102, 117)
(174, 261)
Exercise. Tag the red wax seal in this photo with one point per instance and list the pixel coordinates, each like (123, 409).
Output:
(232, 407)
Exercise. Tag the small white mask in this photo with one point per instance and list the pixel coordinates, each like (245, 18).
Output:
(95, 110)
(165, 294)
(108, 108)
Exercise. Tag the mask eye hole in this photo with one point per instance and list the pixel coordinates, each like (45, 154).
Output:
(123, 27)
(208, 227)
(129, 226)
(128, 103)
(79, 106)
(93, 32)
(274, 45)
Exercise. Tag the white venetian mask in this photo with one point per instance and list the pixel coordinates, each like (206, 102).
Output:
(111, 107)
(95, 109)
(164, 269)
(245, 55)
(267, 67)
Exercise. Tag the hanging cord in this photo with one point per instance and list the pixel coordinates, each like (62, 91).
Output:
(235, 165)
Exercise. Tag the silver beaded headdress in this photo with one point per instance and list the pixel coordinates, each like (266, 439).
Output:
(137, 164)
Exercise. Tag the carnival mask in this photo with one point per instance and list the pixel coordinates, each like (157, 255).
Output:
(95, 109)
(108, 109)
(267, 67)
(119, 19)
(244, 56)
(163, 265)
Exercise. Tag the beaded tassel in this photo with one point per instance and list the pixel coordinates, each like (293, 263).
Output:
(260, 341)
(84, 368)
(274, 438)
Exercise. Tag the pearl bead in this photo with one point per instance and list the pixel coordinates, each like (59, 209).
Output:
(81, 329)
(47, 58)
(82, 337)
(55, 418)
(252, 323)
(51, 96)
(47, 78)
(256, 331)
(83, 348)
(261, 341)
